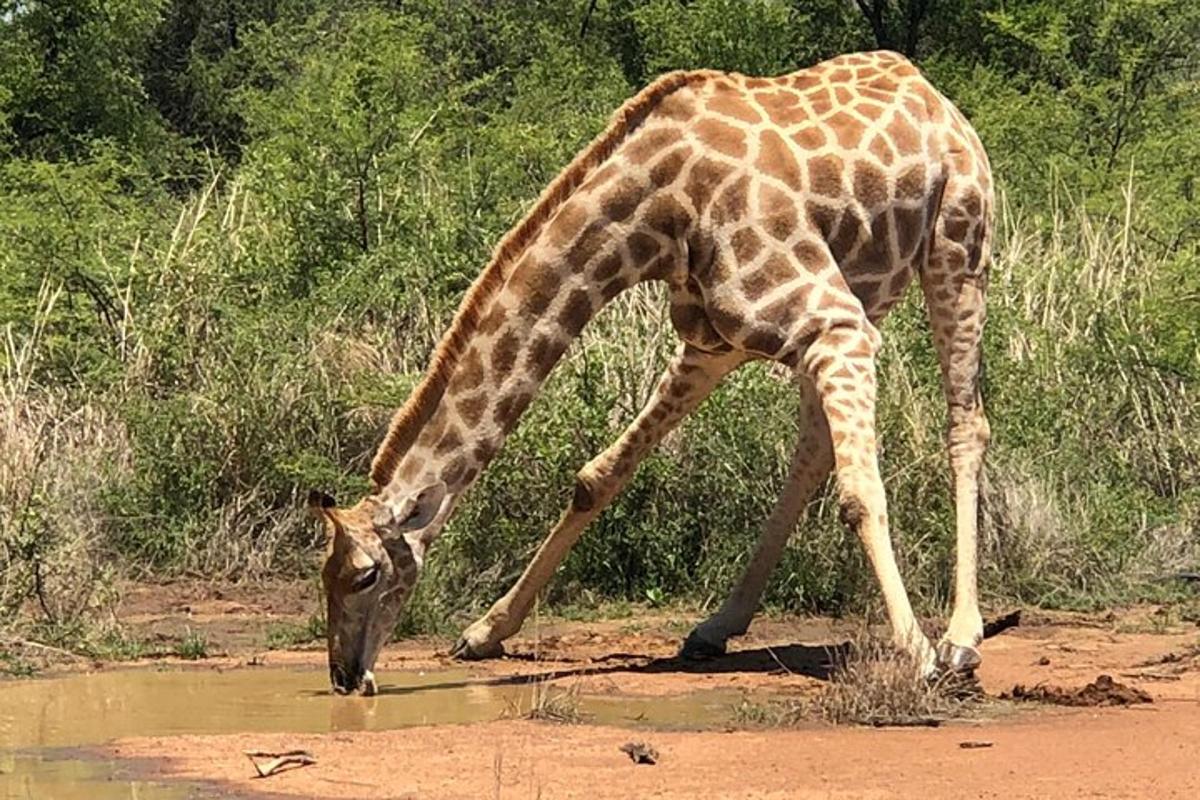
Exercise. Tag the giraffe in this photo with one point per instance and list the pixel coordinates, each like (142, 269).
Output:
(786, 215)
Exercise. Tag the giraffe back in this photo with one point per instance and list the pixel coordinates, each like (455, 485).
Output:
(809, 199)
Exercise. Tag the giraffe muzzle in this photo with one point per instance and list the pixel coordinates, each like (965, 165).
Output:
(357, 681)
(341, 681)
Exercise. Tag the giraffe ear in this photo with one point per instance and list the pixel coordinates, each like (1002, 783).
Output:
(319, 503)
(321, 506)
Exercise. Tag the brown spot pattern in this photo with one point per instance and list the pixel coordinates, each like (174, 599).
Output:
(847, 129)
(775, 159)
(504, 355)
(746, 244)
(904, 136)
(825, 175)
(666, 216)
(666, 169)
(731, 105)
(722, 137)
(911, 183)
(778, 212)
(870, 184)
(703, 179)
(621, 200)
(809, 138)
(589, 245)
(576, 312)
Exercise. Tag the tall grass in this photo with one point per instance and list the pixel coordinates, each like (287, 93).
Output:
(226, 395)
(57, 453)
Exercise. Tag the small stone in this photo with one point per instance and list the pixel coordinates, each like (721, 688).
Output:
(640, 752)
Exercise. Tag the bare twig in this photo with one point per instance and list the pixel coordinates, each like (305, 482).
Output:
(279, 761)
(40, 646)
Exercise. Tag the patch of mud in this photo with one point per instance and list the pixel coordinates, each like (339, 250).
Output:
(1103, 691)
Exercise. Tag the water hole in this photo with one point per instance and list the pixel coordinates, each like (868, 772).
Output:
(44, 721)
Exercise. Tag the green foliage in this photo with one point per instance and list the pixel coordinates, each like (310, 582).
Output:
(284, 635)
(74, 70)
(1091, 95)
(14, 666)
(759, 37)
(262, 214)
(192, 647)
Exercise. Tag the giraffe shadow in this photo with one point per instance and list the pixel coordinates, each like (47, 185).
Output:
(813, 661)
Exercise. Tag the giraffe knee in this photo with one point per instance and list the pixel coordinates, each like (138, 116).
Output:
(861, 506)
(584, 498)
(852, 511)
(968, 437)
(592, 486)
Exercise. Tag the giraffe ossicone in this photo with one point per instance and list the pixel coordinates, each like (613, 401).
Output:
(787, 215)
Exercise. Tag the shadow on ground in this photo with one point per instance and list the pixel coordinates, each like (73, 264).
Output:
(814, 661)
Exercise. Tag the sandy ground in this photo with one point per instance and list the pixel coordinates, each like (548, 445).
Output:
(1035, 752)
(1116, 754)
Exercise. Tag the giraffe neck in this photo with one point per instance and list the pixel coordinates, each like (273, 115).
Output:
(590, 252)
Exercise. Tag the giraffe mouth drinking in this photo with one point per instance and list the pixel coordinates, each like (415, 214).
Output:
(370, 570)
(787, 215)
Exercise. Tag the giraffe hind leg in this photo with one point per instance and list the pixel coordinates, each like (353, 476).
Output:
(954, 283)
(841, 361)
(812, 460)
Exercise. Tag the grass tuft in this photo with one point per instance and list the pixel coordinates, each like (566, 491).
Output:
(283, 635)
(548, 703)
(193, 647)
(872, 683)
(877, 684)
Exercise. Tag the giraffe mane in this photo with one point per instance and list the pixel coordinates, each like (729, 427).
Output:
(406, 423)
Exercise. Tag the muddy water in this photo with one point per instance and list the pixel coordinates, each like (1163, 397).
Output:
(32, 777)
(38, 716)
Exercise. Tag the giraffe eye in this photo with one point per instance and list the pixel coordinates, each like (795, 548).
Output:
(366, 579)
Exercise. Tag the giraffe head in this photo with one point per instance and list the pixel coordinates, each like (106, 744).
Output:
(373, 554)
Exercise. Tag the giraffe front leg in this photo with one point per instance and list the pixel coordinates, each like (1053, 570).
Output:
(688, 379)
(842, 364)
(811, 462)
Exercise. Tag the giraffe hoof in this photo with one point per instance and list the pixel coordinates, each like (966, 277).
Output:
(465, 651)
(957, 658)
(697, 648)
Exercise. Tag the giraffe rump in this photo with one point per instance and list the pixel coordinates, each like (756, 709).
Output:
(406, 423)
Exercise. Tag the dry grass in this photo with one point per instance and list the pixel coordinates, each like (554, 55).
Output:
(876, 684)
(872, 683)
(548, 703)
(1027, 536)
(56, 454)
